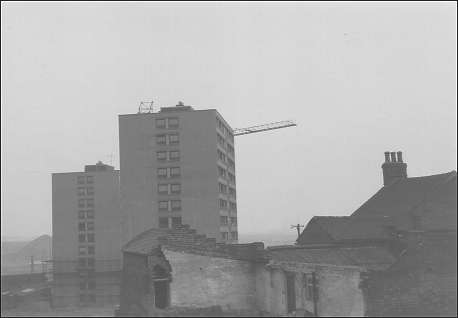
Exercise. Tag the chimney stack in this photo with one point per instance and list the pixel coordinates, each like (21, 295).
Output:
(393, 168)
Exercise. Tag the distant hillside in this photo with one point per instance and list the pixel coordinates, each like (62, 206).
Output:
(16, 256)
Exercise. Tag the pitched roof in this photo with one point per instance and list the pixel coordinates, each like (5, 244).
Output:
(367, 257)
(401, 198)
(348, 228)
(184, 239)
(145, 242)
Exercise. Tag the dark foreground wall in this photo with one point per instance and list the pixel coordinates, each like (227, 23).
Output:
(422, 283)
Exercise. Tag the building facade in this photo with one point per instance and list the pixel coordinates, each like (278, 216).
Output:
(86, 245)
(178, 167)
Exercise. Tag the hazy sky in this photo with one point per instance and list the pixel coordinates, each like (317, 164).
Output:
(359, 80)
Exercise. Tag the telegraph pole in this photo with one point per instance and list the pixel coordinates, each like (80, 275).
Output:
(298, 228)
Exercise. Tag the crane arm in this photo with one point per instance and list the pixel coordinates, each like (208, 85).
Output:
(264, 127)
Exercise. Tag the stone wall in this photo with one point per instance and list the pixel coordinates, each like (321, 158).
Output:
(205, 280)
(338, 290)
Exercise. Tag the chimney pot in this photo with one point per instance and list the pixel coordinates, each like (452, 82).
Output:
(387, 156)
(393, 157)
(399, 156)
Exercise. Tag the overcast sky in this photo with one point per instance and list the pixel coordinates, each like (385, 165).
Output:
(358, 80)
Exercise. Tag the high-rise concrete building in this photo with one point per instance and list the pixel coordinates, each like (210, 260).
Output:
(177, 166)
(86, 249)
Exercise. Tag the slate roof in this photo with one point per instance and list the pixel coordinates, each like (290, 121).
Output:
(348, 228)
(366, 257)
(145, 242)
(408, 197)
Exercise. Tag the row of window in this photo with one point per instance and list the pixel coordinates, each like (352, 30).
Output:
(170, 205)
(85, 191)
(88, 298)
(224, 129)
(86, 203)
(169, 122)
(85, 226)
(171, 172)
(223, 173)
(86, 250)
(88, 214)
(87, 284)
(169, 222)
(224, 189)
(225, 220)
(173, 155)
(223, 204)
(86, 262)
(168, 139)
(169, 188)
(225, 235)
(86, 237)
(85, 179)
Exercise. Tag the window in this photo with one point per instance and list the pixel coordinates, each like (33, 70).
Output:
(233, 206)
(81, 226)
(90, 203)
(234, 235)
(222, 204)
(174, 139)
(81, 191)
(161, 155)
(221, 155)
(91, 284)
(231, 177)
(81, 203)
(81, 214)
(163, 205)
(163, 223)
(230, 149)
(161, 140)
(90, 179)
(160, 123)
(220, 140)
(83, 298)
(232, 192)
(80, 179)
(173, 123)
(81, 238)
(83, 285)
(162, 172)
(234, 220)
(91, 250)
(222, 172)
(82, 262)
(175, 188)
(222, 188)
(163, 188)
(175, 172)
(174, 155)
(223, 220)
(310, 291)
(90, 226)
(176, 221)
(231, 163)
(176, 205)
(91, 238)
(90, 214)
(90, 190)
(91, 298)
(224, 235)
(91, 262)
(82, 250)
